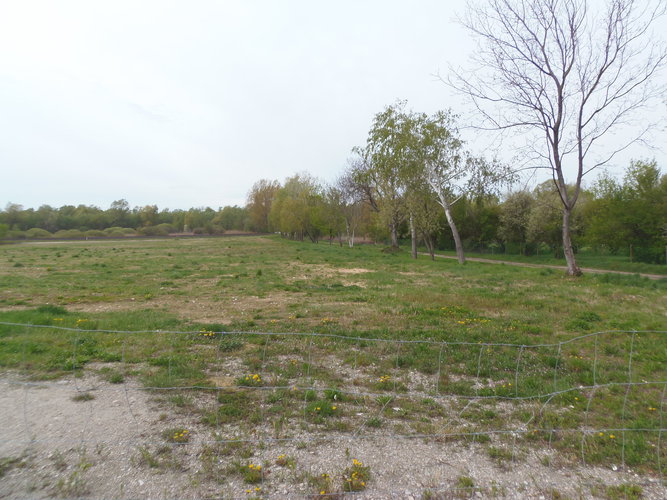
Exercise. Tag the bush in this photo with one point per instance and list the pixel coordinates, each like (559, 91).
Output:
(37, 233)
(16, 235)
(116, 231)
(68, 234)
(213, 229)
(95, 233)
(650, 255)
(167, 227)
(153, 231)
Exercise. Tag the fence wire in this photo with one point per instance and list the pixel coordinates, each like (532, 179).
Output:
(593, 401)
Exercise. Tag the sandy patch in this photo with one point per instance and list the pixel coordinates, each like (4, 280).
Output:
(93, 449)
(353, 270)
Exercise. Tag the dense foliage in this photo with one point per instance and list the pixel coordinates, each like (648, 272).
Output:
(617, 216)
(118, 220)
(627, 216)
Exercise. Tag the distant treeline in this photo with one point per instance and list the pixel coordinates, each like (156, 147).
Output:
(626, 216)
(85, 221)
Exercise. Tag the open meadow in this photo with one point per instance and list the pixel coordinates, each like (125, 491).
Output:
(257, 367)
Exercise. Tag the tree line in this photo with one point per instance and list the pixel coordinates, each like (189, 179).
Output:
(118, 220)
(556, 75)
(460, 206)
(618, 216)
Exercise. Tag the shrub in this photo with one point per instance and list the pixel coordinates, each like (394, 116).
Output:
(36, 232)
(117, 232)
(16, 235)
(95, 233)
(68, 234)
(214, 229)
(153, 231)
(167, 227)
(650, 255)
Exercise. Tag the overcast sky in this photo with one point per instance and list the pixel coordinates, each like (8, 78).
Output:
(187, 104)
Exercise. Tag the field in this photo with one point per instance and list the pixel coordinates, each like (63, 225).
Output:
(260, 367)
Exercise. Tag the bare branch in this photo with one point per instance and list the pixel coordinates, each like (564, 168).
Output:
(557, 69)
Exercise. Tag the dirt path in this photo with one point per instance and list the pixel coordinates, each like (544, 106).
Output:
(547, 266)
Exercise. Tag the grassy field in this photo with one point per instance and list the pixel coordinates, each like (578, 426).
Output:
(586, 259)
(499, 355)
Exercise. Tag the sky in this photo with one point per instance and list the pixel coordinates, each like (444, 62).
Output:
(187, 104)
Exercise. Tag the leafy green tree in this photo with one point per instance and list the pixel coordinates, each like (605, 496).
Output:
(334, 212)
(12, 215)
(514, 216)
(298, 209)
(260, 198)
(632, 213)
(148, 215)
(47, 218)
(425, 219)
(382, 164)
(452, 172)
(232, 218)
(119, 214)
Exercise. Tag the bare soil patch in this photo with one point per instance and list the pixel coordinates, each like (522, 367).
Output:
(102, 448)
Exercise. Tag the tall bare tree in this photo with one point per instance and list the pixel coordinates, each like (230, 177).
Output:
(562, 71)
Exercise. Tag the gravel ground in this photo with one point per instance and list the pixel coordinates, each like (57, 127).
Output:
(52, 446)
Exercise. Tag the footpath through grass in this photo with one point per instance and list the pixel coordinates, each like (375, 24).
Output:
(584, 260)
(494, 354)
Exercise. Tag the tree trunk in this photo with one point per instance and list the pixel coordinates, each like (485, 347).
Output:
(572, 269)
(413, 236)
(394, 235)
(430, 245)
(455, 235)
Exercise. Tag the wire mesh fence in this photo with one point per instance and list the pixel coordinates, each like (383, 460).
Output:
(278, 414)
